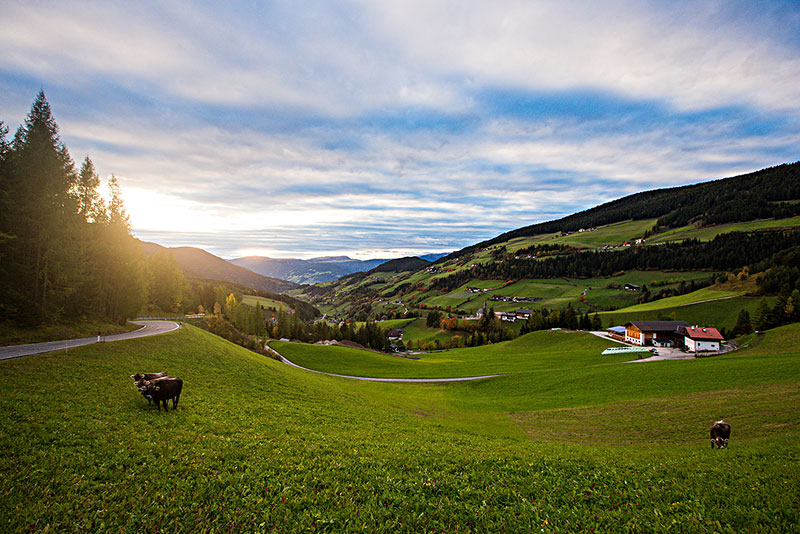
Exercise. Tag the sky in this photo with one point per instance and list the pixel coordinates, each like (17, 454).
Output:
(380, 129)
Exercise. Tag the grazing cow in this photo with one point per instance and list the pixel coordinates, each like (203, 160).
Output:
(720, 434)
(160, 391)
(143, 384)
(147, 376)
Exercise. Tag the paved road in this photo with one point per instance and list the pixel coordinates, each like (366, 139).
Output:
(368, 379)
(149, 328)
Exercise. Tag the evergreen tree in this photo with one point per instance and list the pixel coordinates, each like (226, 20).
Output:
(40, 178)
(90, 207)
(743, 325)
(762, 317)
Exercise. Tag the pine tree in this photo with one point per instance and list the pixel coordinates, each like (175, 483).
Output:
(761, 321)
(743, 325)
(43, 260)
(90, 207)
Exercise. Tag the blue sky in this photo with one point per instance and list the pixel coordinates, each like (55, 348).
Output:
(389, 128)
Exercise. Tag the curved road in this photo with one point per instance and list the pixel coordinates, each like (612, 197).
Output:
(149, 328)
(368, 379)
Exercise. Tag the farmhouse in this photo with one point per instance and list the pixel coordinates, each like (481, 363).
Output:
(394, 335)
(702, 339)
(523, 314)
(503, 316)
(632, 287)
(657, 333)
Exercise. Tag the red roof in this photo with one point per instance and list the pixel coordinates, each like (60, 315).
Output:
(705, 333)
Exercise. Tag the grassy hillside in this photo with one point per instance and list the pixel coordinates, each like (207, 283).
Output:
(259, 446)
(717, 313)
(706, 233)
(533, 352)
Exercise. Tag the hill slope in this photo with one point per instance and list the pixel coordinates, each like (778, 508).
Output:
(256, 445)
(197, 263)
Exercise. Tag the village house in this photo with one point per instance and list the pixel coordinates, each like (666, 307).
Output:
(702, 339)
(656, 333)
(505, 316)
(394, 335)
(523, 314)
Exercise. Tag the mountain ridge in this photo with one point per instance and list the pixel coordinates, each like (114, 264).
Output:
(200, 264)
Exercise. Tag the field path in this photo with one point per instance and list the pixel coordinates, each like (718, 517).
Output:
(368, 379)
(149, 328)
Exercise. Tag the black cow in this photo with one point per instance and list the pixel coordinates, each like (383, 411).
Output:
(142, 384)
(720, 434)
(160, 391)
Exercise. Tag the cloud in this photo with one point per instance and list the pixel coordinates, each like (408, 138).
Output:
(401, 126)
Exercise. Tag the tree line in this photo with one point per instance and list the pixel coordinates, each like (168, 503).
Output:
(68, 255)
(65, 253)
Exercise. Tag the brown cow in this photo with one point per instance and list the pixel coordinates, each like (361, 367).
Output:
(720, 434)
(147, 376)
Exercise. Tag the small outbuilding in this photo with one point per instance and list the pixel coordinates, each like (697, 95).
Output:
(702, 339)
(616, 332)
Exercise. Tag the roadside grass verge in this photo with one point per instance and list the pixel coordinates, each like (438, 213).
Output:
(13, 335)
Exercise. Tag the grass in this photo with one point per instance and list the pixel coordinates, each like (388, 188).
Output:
(558, 292)
(13, 335)
(701, 295)
(252, 300)
(717, 313)
(259, 446)
(418, 331)
(708, 233)
(544, 350)
(612, 234)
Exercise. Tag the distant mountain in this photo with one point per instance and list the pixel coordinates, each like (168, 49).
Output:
(313, 271)
(433, 257)
(197, 263)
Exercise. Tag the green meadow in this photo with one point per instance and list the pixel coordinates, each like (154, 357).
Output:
(707, 233)
(720, 313)
(558, 292)
(565, 441)
(252, 300)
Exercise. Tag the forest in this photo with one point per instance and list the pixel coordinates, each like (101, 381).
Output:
(66, 254)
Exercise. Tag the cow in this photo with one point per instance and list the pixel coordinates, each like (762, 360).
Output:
(720, 434)
(162, 390)
(142, 384)
(147, 376)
